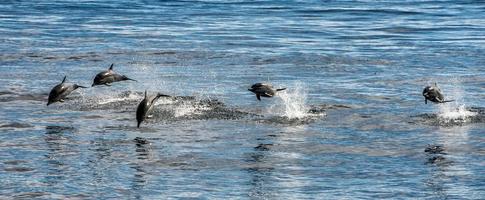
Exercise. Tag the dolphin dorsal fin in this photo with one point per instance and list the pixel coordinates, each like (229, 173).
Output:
(64, 79)
(111, 67)
(145, 94)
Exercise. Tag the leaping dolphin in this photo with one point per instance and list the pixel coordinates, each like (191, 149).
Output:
(433, 93)
(264, 90)
(145, 106)
(61, 90)
(109, 76)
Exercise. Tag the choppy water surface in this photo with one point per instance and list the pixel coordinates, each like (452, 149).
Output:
(352, 123)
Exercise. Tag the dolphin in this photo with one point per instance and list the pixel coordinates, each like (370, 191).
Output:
(433, 93)
(145, 106)
(109, 76)
(435, 149)
(61, 90)
(264, 90)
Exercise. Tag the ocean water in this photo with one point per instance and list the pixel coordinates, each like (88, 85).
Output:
(352, 123)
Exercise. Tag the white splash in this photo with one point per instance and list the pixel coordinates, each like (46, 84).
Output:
(454, 111)
(110, 99)
(292, 102)
(184, 109)
(449, 113)
(189, 108)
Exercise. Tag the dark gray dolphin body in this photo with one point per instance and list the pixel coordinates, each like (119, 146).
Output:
(435, 149)
(109, 76)
(145, 106)
(433, 93)
(264, 90)
(61, 90)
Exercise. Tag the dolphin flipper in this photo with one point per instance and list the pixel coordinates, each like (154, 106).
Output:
(258, 97)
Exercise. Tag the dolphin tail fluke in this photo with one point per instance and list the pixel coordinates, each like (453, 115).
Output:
(138, 125)
(162, 95)
(158, 96)
(281, 89)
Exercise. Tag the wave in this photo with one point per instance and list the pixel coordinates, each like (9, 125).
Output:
(291, 108)
(456, 117)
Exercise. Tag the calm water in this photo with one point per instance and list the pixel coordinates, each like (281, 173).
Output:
(351, 125)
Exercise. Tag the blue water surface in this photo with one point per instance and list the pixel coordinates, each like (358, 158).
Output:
(352, 123)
